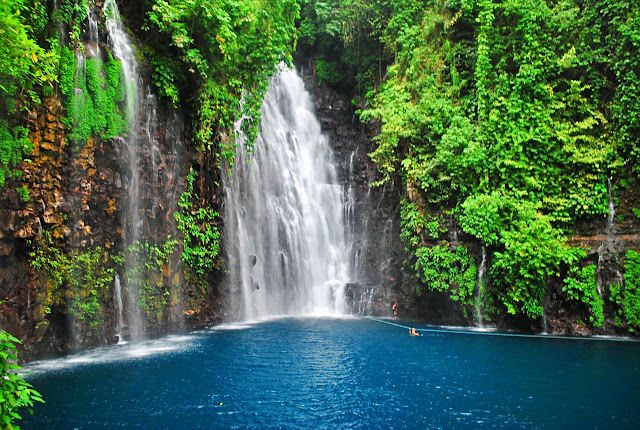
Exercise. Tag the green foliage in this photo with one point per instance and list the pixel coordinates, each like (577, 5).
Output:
(486, 216)
(24, 68)
(442, 269)
(414, 223)
(23, 192)
(81, 281)
(220, 56)
(15, 392)
(14, 145)
(50, 264)
(615, 296)
(631, 300)
(529, 248)
(327, 71)
(95, 96)
(580, 286)
(201, 237)
(533, 251)
(23, 62)
(148, 277)
(345, 36)
(91, 275)
(513, 114)
(73, 13)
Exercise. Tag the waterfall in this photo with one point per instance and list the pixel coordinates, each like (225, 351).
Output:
(122, 49)
(356, 230)
(480, 282)
(120, 44)
(607, 251)
(117, 304)
(92, 46)
(284, 220)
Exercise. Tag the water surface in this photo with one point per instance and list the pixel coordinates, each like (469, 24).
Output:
(341, 373)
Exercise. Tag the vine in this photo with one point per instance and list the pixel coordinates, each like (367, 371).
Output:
(580, 286)
(50, 264)
(442, 269)
(631, 299)
(615, 296)
(149, 275)
(81, 281)
(91, 276)
(220, 57)
(201, 237)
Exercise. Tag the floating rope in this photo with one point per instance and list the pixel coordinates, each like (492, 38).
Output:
(497, 333)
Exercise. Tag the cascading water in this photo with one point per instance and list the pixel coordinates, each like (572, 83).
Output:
(284, 219)
(607, 251)
(482, 269)
(92, 47)
(122, 49)
(117, 304)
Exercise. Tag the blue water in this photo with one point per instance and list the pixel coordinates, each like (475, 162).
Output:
(349, 373)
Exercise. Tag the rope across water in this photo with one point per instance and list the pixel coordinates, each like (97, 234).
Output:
(496, 333)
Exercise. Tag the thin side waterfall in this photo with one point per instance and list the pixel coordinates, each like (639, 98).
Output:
(92, 46)
(482, 269)
(117, 304)
(284, 221)
(607, 251)
(120, 44)
(355, 236)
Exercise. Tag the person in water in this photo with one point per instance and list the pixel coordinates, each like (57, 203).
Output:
(413, 332)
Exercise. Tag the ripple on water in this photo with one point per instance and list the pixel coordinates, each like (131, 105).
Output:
(326, 373)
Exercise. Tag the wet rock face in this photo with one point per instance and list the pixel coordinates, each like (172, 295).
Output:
(73, 199)
(372, 214)
(374, 219)
(77, 192)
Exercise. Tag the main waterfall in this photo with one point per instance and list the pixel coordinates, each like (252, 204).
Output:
(285, 232)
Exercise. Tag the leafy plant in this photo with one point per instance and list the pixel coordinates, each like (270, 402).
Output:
(91, 275)
(15, 392)
(25, 68)
(631, 299)
(201, 237)
(94, 95)
(580, 286)
(228, 50)
(442, 269)
(149, 276)
(51, 265)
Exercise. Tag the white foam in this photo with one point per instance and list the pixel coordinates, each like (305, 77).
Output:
(119, 352)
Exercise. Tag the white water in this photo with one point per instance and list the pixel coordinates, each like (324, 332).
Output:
(122, 49)
(608, 249)
(480, 285)
(117, 302)
(92, 47)
(284, 220)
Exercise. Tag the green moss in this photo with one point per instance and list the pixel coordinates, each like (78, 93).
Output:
(94, 96)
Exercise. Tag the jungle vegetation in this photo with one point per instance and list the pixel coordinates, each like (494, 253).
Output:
(511, 116)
